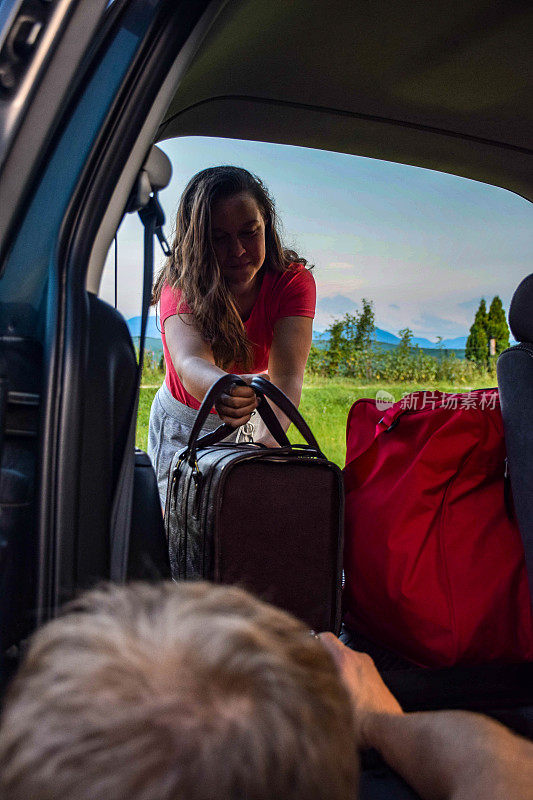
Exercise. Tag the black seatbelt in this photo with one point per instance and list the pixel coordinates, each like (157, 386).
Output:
(153, 218)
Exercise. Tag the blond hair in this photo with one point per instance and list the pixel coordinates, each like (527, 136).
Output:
(173, 692)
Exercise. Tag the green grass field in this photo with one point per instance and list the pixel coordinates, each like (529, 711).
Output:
(325, 405)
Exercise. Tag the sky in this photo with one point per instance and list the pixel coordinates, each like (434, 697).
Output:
(424, 246)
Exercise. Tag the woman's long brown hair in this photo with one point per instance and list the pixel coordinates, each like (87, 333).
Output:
(192, 266)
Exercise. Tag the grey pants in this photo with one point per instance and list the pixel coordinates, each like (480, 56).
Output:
(169, 430)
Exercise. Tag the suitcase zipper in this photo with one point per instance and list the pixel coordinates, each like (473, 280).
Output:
(182, 534)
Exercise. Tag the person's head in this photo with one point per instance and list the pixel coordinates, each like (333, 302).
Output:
(176, 692)
(226, 233)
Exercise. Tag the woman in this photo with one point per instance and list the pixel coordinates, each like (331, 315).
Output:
(232, 299)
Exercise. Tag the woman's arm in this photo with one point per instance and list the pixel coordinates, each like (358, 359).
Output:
(193, 360)
(286, 365)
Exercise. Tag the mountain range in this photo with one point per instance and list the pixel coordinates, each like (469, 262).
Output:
(380, 335)
(385, 337)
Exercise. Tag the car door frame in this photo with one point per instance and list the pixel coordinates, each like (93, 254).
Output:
(116, 151)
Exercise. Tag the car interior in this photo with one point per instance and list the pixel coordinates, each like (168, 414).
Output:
(445, 86)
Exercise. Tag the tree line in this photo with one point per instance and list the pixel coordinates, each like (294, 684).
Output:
(351, 351)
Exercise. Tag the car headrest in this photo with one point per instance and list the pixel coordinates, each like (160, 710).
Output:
(521, 311)
(158, 167)
(154, 175)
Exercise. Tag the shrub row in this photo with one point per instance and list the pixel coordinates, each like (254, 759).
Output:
(372, 364)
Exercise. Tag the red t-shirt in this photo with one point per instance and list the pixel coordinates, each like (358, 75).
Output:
(283, 294)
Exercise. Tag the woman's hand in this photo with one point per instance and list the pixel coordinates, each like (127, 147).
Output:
(261, 435)
(193, 360)
(235, 407)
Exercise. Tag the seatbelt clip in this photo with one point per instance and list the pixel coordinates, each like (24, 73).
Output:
(165, 247)
(153, 209)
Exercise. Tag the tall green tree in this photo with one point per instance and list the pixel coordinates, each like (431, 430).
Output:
(366, 323)
(336, 347)
(477, 344)
(365, 330)
(351, 337)
(406, 337)
(497, 327)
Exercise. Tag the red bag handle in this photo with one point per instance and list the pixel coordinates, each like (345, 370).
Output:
(390, 419)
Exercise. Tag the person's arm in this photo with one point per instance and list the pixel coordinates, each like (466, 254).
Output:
(454, 754)
(286, 365)
(193, 360)
(443, 755)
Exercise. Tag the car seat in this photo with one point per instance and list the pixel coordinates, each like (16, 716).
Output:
(515, 382)
(20, 386)
(110, 383)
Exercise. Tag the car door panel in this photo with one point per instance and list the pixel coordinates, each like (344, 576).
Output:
(30, 112)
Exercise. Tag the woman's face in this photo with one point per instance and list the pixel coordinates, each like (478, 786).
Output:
(238, 235)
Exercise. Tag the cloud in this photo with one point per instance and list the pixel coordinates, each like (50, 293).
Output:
(470, 305)
(341, 284)
(394, 306)
(341, 266)
(427, 323)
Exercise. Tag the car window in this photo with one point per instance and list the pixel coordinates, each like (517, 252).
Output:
(422, 248)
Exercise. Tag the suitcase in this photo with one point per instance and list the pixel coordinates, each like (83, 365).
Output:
(433, 558)
(268, 519)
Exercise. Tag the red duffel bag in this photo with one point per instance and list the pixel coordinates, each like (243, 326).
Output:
(433, 559)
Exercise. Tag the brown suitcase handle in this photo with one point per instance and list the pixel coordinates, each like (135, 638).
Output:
(263, 388)
(268, 417)
(267, 389)
(217, 388)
